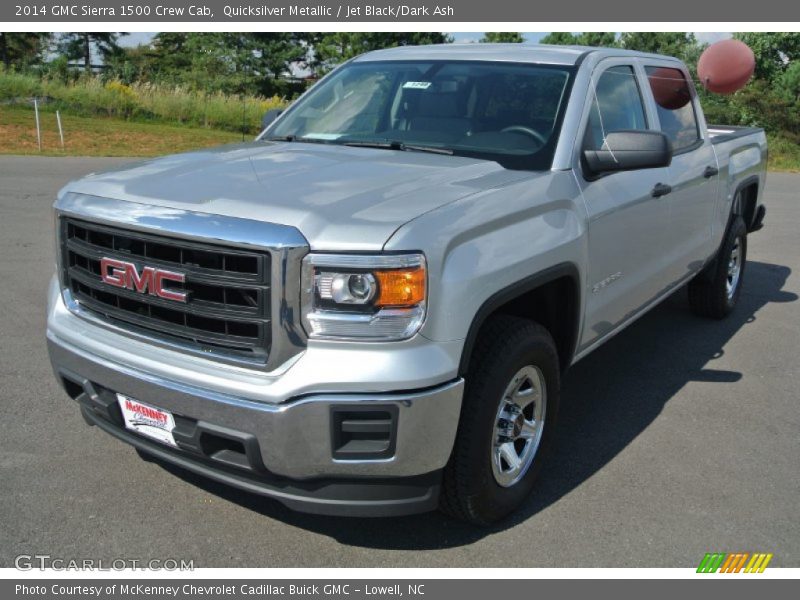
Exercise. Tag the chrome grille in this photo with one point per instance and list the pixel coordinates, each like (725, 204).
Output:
(227, 311)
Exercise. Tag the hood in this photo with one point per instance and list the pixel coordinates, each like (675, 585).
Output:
(337, 196)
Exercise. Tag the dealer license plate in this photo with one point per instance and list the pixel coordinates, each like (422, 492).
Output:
(150, 421)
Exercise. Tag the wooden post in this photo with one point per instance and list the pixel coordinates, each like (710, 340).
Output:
(60, 130)
(38, 129)
(244, 116)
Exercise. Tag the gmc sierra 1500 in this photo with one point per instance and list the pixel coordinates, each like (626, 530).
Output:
(367, 310)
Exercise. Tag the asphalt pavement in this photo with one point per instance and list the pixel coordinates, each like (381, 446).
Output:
(680, 436)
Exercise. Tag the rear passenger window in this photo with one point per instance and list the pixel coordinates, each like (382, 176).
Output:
(616, 106)
(673, 95)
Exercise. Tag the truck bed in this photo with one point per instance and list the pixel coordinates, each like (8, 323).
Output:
(742, 157)
(725, 133)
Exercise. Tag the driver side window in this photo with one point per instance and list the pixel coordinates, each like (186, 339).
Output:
(616, 105)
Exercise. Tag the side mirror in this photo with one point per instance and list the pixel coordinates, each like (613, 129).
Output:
(270, 116)
(629, 150)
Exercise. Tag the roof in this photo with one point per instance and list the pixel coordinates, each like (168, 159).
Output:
(532, 53)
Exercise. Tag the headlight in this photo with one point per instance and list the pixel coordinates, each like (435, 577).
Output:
(354, 296)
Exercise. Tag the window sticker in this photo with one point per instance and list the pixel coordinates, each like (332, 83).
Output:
(322, 136)
(416, 85)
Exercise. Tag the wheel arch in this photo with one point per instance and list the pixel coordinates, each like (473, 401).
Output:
(745, 200)
(550, 297)
(743, 204)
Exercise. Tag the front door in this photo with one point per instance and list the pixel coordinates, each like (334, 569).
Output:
(628, 225)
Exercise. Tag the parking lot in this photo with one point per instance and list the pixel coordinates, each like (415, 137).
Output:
(680, 436)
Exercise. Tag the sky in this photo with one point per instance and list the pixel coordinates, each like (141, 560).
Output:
(144, 37)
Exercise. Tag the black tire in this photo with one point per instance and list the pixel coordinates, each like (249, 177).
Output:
(709, 292)
(470, 490)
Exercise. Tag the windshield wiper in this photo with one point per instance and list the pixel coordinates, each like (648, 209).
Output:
(397, 145)
(295, 138)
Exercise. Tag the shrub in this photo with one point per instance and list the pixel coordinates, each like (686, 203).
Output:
(17, 86)
(90, 96)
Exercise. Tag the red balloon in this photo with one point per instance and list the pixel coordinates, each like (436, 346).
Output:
(670, 88)
(726, 66)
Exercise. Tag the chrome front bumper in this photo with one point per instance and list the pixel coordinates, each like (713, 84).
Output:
(288, 448)
(295, 438)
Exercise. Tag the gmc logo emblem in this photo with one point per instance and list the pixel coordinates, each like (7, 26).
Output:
(151, 281)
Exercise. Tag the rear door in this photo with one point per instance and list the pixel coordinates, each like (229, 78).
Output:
(627, 224)
(693, 173)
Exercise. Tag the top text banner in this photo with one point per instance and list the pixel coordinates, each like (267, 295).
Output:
(475, 11)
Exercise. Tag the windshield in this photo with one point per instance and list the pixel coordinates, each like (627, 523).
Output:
(505, 112)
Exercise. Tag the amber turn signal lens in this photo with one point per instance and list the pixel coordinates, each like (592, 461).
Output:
(400, 287)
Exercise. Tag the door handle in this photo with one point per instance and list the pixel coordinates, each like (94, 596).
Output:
(710, 172)
(661, 189)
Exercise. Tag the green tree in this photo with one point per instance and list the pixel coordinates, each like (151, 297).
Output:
(276, 57)
(607, 39)
(789, 83)
(330, 49)
(560, 38)
(587, 38)
(23, 49)
(501, 37)
(78, 46)
(170, 54)
(130, 65)
(670, 43)
(774, 51)
(230, 62)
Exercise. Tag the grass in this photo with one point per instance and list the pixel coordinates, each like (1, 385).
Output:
(101, 136)
(141, 102)
(108, 136)
(784, 155)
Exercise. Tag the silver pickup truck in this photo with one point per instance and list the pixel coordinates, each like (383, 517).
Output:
(368, 310)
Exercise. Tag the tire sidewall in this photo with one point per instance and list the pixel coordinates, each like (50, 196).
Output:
(487, 496)
(736, 230)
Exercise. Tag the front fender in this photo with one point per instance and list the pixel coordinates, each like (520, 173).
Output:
(489, 241)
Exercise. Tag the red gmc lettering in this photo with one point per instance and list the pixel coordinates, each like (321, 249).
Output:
(151, 280)
(139, 283)
(165, 293)
(113, 272)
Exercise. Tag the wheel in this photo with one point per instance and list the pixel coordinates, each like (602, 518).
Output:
(507, 419)
(715, 290)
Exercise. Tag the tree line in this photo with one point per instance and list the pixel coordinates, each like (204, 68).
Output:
(253, 63)
(269, 64)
